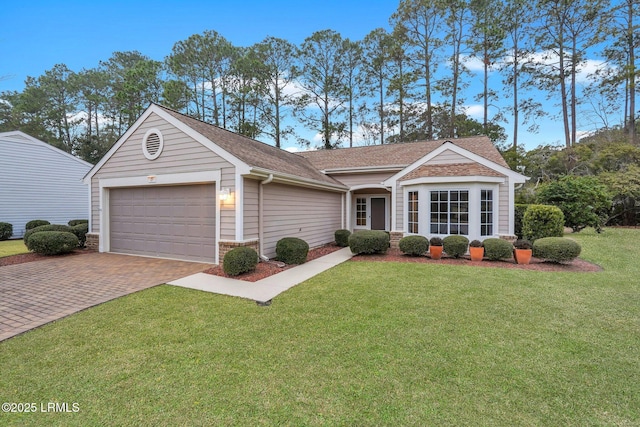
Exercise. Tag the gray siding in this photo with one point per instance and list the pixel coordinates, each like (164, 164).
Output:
(181, 154)
(251, 187)
(38, 181)
(352, 180)
(503, 209)
(311, 215)
(449, 157)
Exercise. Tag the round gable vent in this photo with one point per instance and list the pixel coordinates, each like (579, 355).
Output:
(152, 144)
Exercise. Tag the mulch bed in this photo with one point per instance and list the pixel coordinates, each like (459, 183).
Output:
(22, 258)
(266, 269)
(394, 255)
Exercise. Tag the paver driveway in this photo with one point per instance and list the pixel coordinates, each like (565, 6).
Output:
(35, 293)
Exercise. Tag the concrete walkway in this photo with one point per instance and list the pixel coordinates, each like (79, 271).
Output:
(268, 288)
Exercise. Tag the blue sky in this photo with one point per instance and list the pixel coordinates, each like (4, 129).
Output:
(36, 35)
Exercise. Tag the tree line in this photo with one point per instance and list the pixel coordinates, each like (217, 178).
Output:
(398, 85)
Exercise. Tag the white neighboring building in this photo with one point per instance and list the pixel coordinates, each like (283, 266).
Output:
(39, 181)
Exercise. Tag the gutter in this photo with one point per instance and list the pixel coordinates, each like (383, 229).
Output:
(261, 216)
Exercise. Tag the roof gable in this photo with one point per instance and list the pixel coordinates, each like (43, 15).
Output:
(244, 153)
(22, 138)
(397, 155)
(478, 166)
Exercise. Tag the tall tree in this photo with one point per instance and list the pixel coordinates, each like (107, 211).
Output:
(423, 24)
(517, 17)
(352, 59)
(487, 43)
(456, 20)
(622, 53)
(322, 80)
(568, 29)
(59, 91)
(246, 91)
(400, 81)
(376, 47)
(202, 62)
(279, 75)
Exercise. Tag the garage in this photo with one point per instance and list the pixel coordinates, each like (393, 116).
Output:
(176, 221)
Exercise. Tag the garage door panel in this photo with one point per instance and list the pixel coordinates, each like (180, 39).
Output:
(170, 222)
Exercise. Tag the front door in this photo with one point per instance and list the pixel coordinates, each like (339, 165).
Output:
(378, 213)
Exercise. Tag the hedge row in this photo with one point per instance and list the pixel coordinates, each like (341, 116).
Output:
(6, 230)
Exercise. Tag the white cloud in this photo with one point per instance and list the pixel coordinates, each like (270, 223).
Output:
(586, 68)
(475, 111)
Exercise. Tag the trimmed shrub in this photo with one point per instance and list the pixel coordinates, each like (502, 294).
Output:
(556, 249)
(476, 244)
(41, 228)
(292, 250)
(35, 223)
(542, 221)
(53, 242)
(369, 242)
(518, 215)
(455, 246)
(81, 231)
(240, 260)
(495, 249)
(435, 241)
(6, 230)
(342, 238)
(522, 244)
(414, 245)
(75, 222)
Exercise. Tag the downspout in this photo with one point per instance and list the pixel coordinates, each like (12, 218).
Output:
(260, 216)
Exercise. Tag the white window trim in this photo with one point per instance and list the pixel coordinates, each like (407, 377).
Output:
(105, 184)
(368, 197)
(145, 151)
(424, 207)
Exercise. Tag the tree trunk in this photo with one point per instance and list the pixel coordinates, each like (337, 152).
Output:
(632, 74)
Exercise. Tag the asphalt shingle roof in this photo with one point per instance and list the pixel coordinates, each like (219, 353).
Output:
(308, 164)
(397, 154)
(254, 153)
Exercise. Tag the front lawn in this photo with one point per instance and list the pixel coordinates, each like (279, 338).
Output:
(12, 247)
(362, 344)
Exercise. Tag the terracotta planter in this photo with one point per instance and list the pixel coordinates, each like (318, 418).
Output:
(522, 256)
(476, 253)
(435, 252)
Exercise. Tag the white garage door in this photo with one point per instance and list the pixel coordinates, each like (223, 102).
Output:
(168, 222)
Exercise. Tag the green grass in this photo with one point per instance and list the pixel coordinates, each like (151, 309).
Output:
(12, 247)
(363, 344)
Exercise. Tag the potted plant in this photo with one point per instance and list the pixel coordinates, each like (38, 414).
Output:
(522, 250)
(476, 250)
(435, 248)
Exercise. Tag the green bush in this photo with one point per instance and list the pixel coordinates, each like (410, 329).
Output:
(41, 228)
(53, 242)
(292, 250)
(81, 230)
(556, 249)
(75, 222)
(6, 230)
(435, 241)
(518, 215)
(342, 238)
(495, 249)
(35, 223)
(542, 221)
(369, 242)
(240, 260)
(414, 245)
(455, 246)
(584, 200)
